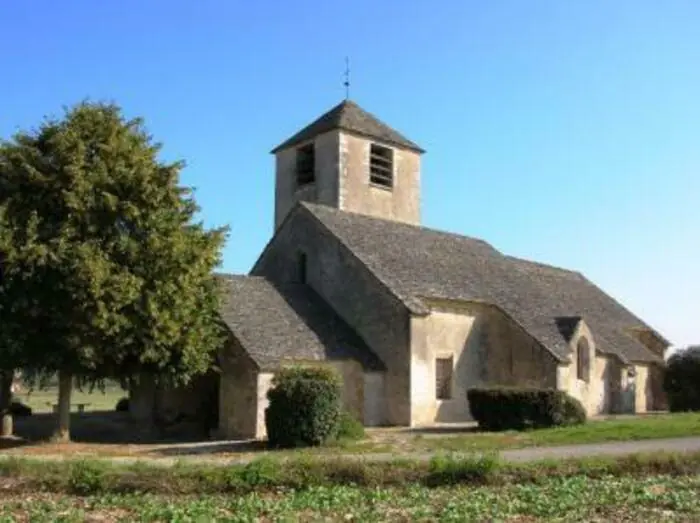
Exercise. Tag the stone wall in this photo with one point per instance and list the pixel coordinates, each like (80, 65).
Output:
(325, 188)
(487, 348)
(400, 203)
(353, 292)
(238, 398)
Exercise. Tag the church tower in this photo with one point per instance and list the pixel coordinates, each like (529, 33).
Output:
(350, 160)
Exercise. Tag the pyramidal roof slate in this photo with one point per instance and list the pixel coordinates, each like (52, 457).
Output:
(350, 117)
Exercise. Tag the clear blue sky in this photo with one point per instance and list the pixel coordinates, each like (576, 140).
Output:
(565, 132)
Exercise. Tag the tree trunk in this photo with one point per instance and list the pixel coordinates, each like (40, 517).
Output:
(6, 427)
(65, 387)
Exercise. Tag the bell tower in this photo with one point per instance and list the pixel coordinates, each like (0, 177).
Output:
(350, 160)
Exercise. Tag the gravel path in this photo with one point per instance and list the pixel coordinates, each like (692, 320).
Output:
(690, 444)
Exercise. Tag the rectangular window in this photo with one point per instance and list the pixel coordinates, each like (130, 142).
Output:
(302, 267)
(381, 165)
(443, 378)
(306, 164)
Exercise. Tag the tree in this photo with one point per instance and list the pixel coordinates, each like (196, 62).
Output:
(115, 274)
(682, 380)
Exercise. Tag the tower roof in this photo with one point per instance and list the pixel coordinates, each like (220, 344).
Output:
(350, 117)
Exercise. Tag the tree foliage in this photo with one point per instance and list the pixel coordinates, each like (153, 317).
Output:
(105, 271)
(682, 380)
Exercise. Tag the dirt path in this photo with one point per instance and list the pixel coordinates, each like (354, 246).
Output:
(690, 444)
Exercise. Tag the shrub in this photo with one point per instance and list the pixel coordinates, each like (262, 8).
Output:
(19, 410)
(506, 408)
(122, 405)
(86, 478)
(682, 380)
(305, 406)
(349, 427)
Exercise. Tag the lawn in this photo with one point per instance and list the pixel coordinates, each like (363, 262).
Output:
(628, 428)
(578, 498)
(42, 400)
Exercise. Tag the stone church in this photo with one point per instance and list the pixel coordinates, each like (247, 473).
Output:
(411, 316)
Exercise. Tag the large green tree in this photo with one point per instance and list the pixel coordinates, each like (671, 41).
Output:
(101, 242)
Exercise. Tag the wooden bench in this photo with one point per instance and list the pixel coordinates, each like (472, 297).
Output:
(81, 407)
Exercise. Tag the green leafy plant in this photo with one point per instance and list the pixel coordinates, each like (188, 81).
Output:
(350, 428)
(450, 469)
(86, 478)
(305, 407)
(508, 408)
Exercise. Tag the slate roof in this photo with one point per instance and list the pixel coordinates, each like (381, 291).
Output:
(416, 262)
(289, 322)
(349, 116)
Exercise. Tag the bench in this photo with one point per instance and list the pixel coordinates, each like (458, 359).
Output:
(81, 407)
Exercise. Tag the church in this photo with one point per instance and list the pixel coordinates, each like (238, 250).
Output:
(410, 316)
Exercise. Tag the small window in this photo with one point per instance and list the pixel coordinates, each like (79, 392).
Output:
(302, 267)
(306, 162)
(443, 378)
(381, 166)
(582, 360)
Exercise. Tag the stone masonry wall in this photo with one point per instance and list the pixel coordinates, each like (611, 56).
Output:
(238, 398)
(324, 190)
(487, 349)
(353, 292)
(400, 203)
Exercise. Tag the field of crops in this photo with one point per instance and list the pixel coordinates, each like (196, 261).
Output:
(656, 498)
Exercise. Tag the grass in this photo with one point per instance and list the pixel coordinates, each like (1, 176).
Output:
(93, 477)
(575, 497)
(596, 431)
(41, 400)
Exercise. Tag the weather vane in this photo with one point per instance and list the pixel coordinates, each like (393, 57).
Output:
(346, 83)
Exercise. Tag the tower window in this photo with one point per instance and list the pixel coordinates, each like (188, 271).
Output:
(302, 267)
(582, 360)
(306, 161)
(443, 378)
(381, 165)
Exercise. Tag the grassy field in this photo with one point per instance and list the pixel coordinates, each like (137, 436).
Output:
(655, 488)
(656, 498)
(42, 400)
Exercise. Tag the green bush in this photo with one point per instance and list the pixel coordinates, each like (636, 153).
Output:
(305, 407)
(451, 470)
(508, 408)
(122, 405)
(20, 410)
(86, 478)
(350, 428)
(682, 380)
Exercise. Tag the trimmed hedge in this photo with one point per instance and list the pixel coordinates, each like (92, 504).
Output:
(305, 407)
(682, 380)
(508, 408)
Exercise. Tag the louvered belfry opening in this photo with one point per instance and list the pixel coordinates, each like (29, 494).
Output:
(381, 165)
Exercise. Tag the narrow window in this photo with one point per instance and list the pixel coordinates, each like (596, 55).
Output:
(302, 267)
(582, 360)
(443, 378)
(381, 165)
(306, 161)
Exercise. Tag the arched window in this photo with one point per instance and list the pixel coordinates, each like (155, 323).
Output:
(582, 359)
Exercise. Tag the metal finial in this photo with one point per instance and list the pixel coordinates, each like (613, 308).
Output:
(346, 83)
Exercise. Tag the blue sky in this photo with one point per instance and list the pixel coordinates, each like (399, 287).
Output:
(565, 132)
